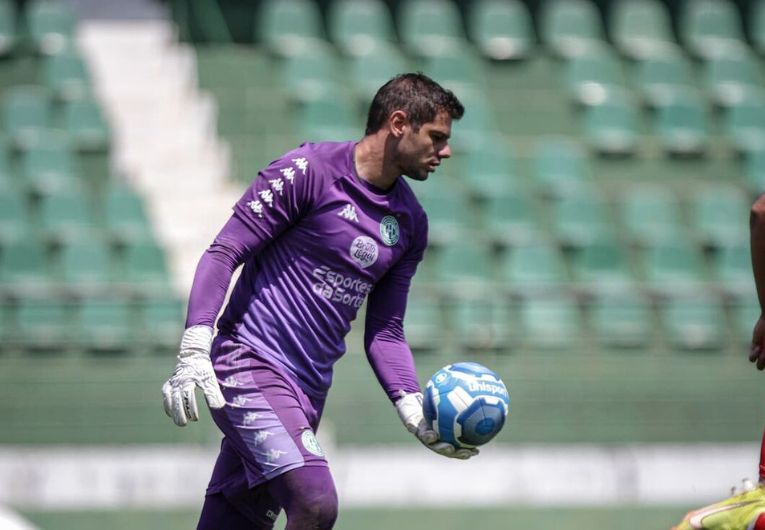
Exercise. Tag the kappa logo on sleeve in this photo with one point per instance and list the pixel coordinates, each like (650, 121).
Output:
(266, 197)
(256, 207)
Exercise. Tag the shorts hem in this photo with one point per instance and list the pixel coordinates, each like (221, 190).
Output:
(280, 471)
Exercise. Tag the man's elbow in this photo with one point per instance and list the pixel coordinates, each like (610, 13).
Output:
(757, 213)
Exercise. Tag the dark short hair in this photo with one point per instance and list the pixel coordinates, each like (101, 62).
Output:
(417, 95)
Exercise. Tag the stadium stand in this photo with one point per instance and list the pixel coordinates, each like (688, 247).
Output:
(71, 229)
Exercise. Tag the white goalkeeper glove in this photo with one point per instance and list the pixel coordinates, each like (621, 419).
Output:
(409, 408)
(194, 369)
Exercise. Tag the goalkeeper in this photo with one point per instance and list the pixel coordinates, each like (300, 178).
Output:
(745, 510)
(318, 231)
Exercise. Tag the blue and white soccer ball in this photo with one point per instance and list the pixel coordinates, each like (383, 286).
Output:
(466, 404)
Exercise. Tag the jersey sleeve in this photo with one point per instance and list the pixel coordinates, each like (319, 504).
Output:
(279, 196)
(384, 340)
(276, 199)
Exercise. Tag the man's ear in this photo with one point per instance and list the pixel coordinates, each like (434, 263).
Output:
(398, 121)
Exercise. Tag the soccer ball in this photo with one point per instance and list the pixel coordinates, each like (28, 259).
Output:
(466, 404)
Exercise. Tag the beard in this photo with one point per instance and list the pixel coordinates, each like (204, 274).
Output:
(415, 173)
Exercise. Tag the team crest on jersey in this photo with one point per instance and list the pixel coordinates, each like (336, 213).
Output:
(311, 443)
(364, 251)
(389, 230)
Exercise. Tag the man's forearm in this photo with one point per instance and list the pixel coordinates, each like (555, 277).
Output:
(757, 234)
(213, 275)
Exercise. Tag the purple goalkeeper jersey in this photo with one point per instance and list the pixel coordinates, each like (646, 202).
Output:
(321, 241)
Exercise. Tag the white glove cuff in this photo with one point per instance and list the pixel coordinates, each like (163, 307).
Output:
(409, 408)
(196, 339)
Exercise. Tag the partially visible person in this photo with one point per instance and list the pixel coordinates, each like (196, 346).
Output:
(745, 509)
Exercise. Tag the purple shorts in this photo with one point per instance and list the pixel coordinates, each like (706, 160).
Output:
(268, 421)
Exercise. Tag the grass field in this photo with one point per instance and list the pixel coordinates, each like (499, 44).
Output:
(622, 518)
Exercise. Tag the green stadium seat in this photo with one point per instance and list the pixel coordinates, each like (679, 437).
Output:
(449, 214)
(328, 118)
(693, 323)
(162, 323)
(144, 269)
(611, 127)
(44, 324)
(67, 216)
(501, 29)
(550, 322)
(51, 25)
(9, 35)
(592, 76)
(464, 266)
(580, 219)
(682, 126)
(757, 28)
(313, 74)
(640, 29)
(66, 75)
(661, 79)
(754, 171)
(744, 313)
(288, 27)
(533, 267)
(728, 78)
(601, 266)
(9, 179)
(86, 267)
(24, 268)
(357, 27)
(651, 213)
(26, 114)
(509, 218)
(673, 267)
(460, 70)
(369, 72)
(489, 170)
(621, 319)
(125, 215)
(483, 323)
(85, 125)
(106, 325)
(7, 325)
(423, 323)
(745, 124)
(49, 165)
(430, 27)
(559, 166)
(478, 127)
(570, 27)
(720, 215)
(732, 269)
(14, 215)
(710, 29)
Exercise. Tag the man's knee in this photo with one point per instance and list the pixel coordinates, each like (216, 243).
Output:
(317, 508)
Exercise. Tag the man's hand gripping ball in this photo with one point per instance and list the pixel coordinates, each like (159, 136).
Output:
(409, 408)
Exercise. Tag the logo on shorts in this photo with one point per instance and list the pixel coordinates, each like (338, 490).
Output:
(364, 251)
(389, 230)
(311, 443)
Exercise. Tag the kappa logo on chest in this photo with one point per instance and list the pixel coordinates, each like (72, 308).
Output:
(349, 212)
